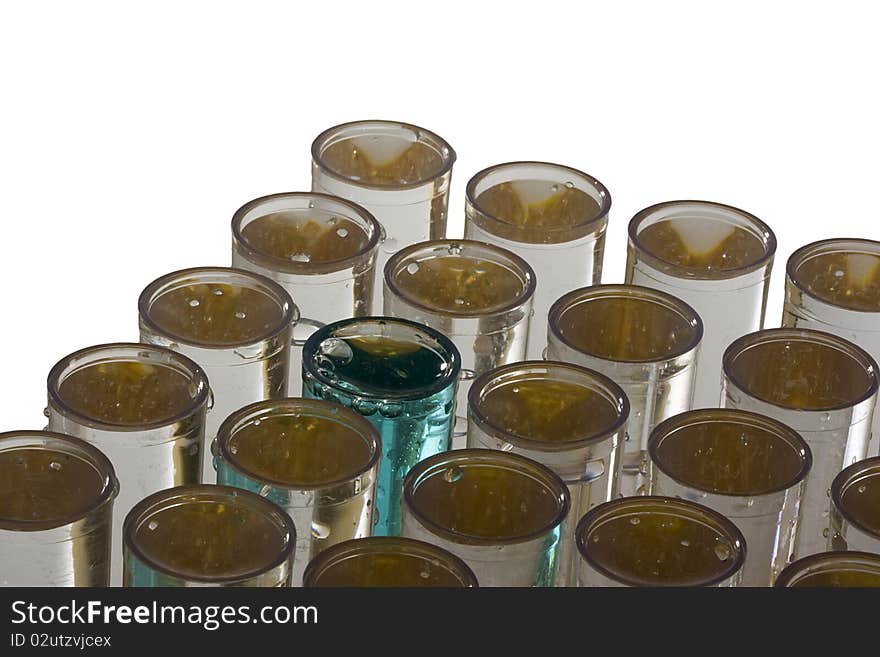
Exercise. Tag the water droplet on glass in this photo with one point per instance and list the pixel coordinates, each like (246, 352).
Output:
(825, 532)
(336, 349)
(634, 521)
(301, 257)
(233, 449)
(685, 543)
(193, 449)
(218, 292)
(412, 268)
(451, 475)
(342, 232)
(240, 315)
(838, 273)
(55, 465)
(312, 203)
(722, 551)
(424, 574)
(365, 406)
(454, 249)
(152, 525)
(320, 531)
(862, 488)
(193, 303)
(459, 301)
(569, 184)
(46, 411)
(389, 245)
(390, 410)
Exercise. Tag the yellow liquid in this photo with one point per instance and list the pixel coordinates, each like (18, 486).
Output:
(388, 569)
(486, 502)
(291, 235)
(217, 315)
(850, 280)
(127, 392)
(800, 375)
(729, 458)
(300, 450)
(702, 244)
(457, 284)
(660, 549)
(201, 538)
(548, 411)
(840, 578)
(862, 502)
(40, 485)
(624, 329)
(383, 161)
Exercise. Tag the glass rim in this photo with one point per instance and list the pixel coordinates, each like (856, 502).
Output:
(586, 375)
(285, 265)
(828, 340)
(168, 497)
(847, 478)
(335, 554)
(826, 562)
(637, 292)
(820, 247)
(604, 203)
(450, 374)
(523, 465)
(72, 446)
(700, 273)
(207, 276)
(686, 508)
(666, 429)
(196, 374)
(307, 408)
(434, 140)
(500, 256)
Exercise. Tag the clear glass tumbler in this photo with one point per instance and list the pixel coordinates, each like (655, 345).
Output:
(658, 541)
(501, 513)
(745, 466)
(833, 569)
(316, 460)
(321, 249)
(402, 377)
(478, 295)
(715, 257)
(397, 171)
(552, 216)
(56, 510)
(566, 417)
(834, 286)
(141, 405)
(820, 385)
(235, 324)
(855, 508)
(388, 561)
(644, 340)
(206, 535)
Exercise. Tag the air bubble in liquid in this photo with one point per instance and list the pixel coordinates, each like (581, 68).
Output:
(412, 268)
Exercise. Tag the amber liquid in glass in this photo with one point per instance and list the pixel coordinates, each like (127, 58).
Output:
(547, 411)
(660, 548)
(202, 538)
(383, 160)
(293, 235)
(840, 578)
(457, 284)
(624, 329)
(127, 392)
(701, 244)
(486, 501)
(850, 280)
(537, 204)
(728, 458)
(389, 569)
(862, 502)
(40, 485)
(216, 314)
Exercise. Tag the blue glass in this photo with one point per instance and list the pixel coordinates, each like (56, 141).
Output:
(402, 377)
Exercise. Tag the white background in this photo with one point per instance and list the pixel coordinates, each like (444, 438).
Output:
(130, 132)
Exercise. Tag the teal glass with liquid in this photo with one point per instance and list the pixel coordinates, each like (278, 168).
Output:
(402, 377)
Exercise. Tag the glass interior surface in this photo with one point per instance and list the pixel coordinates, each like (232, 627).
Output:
(729, 452)
(652, 541)
(843, 272)
(801, 370)
(208, 532)
(857, 495)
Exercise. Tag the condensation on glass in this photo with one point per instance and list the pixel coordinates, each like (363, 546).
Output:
(478, 295)
(141, 405)
(316, 460)
(56, 510)
(644, 340)
(658, 541)
(235, 324)
(715, 257)
(552, 216)
(320, 248)
(501, 513)
(820, 385)
(833, 569)
(855, 508)
(399, 172)
(834, 286)
(402, 377)
(207, 535)
(388, 561)
(745, 466)
(566, 417)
